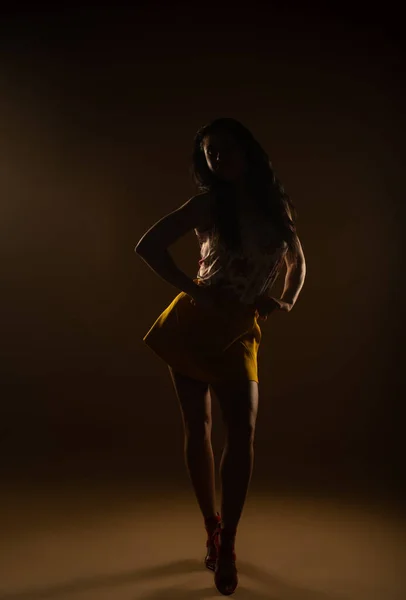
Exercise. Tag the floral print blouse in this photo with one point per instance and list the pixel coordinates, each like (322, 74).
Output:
(250, 271)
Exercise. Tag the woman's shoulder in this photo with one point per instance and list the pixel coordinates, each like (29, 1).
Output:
(206, 198)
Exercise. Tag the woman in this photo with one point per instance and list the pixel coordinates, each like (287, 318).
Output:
(209, 335)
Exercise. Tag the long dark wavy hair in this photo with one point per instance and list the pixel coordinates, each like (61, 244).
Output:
(270, 196)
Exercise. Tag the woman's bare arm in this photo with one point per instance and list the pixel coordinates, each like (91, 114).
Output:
(154, 244)
(295, 276)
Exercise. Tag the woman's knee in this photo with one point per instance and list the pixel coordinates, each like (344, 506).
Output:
(240, 434)
(198, 429)
(239, 406)
(195, 403)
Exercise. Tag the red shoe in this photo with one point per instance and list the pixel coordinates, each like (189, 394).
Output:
(225, 573)
(213, 529)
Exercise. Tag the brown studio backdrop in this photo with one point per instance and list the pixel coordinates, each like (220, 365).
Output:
(96, 146)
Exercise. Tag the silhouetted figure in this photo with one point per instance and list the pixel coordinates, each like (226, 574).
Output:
(209, 334)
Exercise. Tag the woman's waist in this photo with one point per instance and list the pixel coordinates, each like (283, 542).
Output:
(226, 295)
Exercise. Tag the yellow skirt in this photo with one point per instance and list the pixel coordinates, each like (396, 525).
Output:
(213, 345)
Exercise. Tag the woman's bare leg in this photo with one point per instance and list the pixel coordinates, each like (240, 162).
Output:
(239, 406)
(195, 403)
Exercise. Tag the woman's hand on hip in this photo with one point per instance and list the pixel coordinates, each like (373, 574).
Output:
(266, 304)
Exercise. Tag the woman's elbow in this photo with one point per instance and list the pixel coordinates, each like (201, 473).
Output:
(144, 245)
(147, 248)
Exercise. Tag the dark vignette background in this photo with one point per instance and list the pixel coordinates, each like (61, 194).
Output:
(99, 106)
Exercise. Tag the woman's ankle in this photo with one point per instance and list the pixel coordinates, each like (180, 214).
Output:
(212, 517)
(212, 522)
(227, 535)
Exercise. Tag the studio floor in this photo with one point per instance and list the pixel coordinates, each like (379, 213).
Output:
(112, 540)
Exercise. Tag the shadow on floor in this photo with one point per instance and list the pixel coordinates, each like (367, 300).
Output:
(279, 590)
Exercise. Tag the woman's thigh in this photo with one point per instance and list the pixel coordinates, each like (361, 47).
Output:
(239, 405)
(195, 403)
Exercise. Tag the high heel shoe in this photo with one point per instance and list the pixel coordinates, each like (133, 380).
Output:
(225, 572)
(212, 526)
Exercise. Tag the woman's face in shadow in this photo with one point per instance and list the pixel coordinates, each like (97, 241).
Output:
(225, 156)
